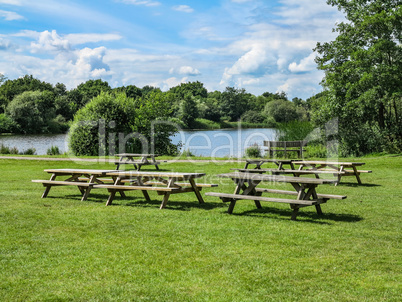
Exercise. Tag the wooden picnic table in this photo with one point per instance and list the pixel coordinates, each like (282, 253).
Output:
(164, 183)
(84, 179)
(247, 189)
(339, 168)
(137, 160)
(259, 162)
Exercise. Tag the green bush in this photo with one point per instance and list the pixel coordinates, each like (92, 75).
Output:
(294, 131)
(7, 125)
(29, 151)
(254, 151)
(53, 150)
(316, 150)
(110, 123)
(253, 117)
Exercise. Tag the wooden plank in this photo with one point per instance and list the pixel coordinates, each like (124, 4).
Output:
(229, 197)
(146, 188)
(276, 178)
(307, 162)
(329, 196)
(133, 174)
(78, 171)
(201, 185)
(63, 183)
(137, 155)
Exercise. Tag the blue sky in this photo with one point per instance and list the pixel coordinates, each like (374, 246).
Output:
(259, 45)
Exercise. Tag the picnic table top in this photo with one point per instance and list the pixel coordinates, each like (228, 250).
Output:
(79, 171)
(136, 154)
(277, 178)
(308, 162)
(133, 173)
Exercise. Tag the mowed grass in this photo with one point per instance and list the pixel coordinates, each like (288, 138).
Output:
(62, 249)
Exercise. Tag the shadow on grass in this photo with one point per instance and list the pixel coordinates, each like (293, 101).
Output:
(175, 205)
(355, 185)
(139, 201)
(302, 216)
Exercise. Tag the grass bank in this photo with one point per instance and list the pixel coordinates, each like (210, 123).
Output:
(62, 249)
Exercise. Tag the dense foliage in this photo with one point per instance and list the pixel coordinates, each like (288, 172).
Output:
(113, 123)
(363, 77)
(189, 103)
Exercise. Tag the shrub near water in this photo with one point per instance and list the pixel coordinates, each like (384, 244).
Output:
(108, 119)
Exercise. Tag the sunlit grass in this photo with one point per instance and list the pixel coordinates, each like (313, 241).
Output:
(62, 249)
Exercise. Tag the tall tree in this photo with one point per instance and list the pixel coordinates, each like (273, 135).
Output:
(363, 76)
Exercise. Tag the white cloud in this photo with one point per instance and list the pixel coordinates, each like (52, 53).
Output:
(50, 42)
(306, 64)
(91, 38)
(183, 8)
(140, 2)
(11, 2)
(185, 70)
(4, 44)
(90, 62)
(10, 16)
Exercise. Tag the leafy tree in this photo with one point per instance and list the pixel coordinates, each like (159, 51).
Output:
(32, 112)
(3, 78)
(363, 76)
(234, 102)
(7, 125)
(104, 114)
(147, 89)
(208, 108)
(86, 92)
(195, 89)
(110, 122)
(253, 116)
(282, 111)
(188, 111)
(10, 88)
(131, 91)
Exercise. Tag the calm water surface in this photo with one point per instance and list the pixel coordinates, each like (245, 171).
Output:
(211, 143)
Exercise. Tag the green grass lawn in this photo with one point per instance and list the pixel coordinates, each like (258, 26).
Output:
(62, 249)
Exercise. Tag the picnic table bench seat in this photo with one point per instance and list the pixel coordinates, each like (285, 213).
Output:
(319, 195)
(62, 183)
(294, 172)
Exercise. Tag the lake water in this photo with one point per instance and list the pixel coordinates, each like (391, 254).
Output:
(211, 143)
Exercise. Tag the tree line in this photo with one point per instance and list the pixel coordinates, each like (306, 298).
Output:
(362, 91)
(30, 106)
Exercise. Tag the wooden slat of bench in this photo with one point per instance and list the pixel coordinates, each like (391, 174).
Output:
(329, 196)
(201, 185)
(309, 172)
(230, 197)
(289, 171)
(360, 171)
(142, 188)
(136, 163)
(63, 183)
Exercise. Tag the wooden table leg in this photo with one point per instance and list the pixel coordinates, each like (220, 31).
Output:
(86, 193)
(113, 192)
(196, 191)
(165, 200)
(294, 213)
(357, 175)
(231, 206)
(47, 188)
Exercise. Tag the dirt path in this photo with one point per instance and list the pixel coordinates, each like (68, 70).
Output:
(112, 160)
